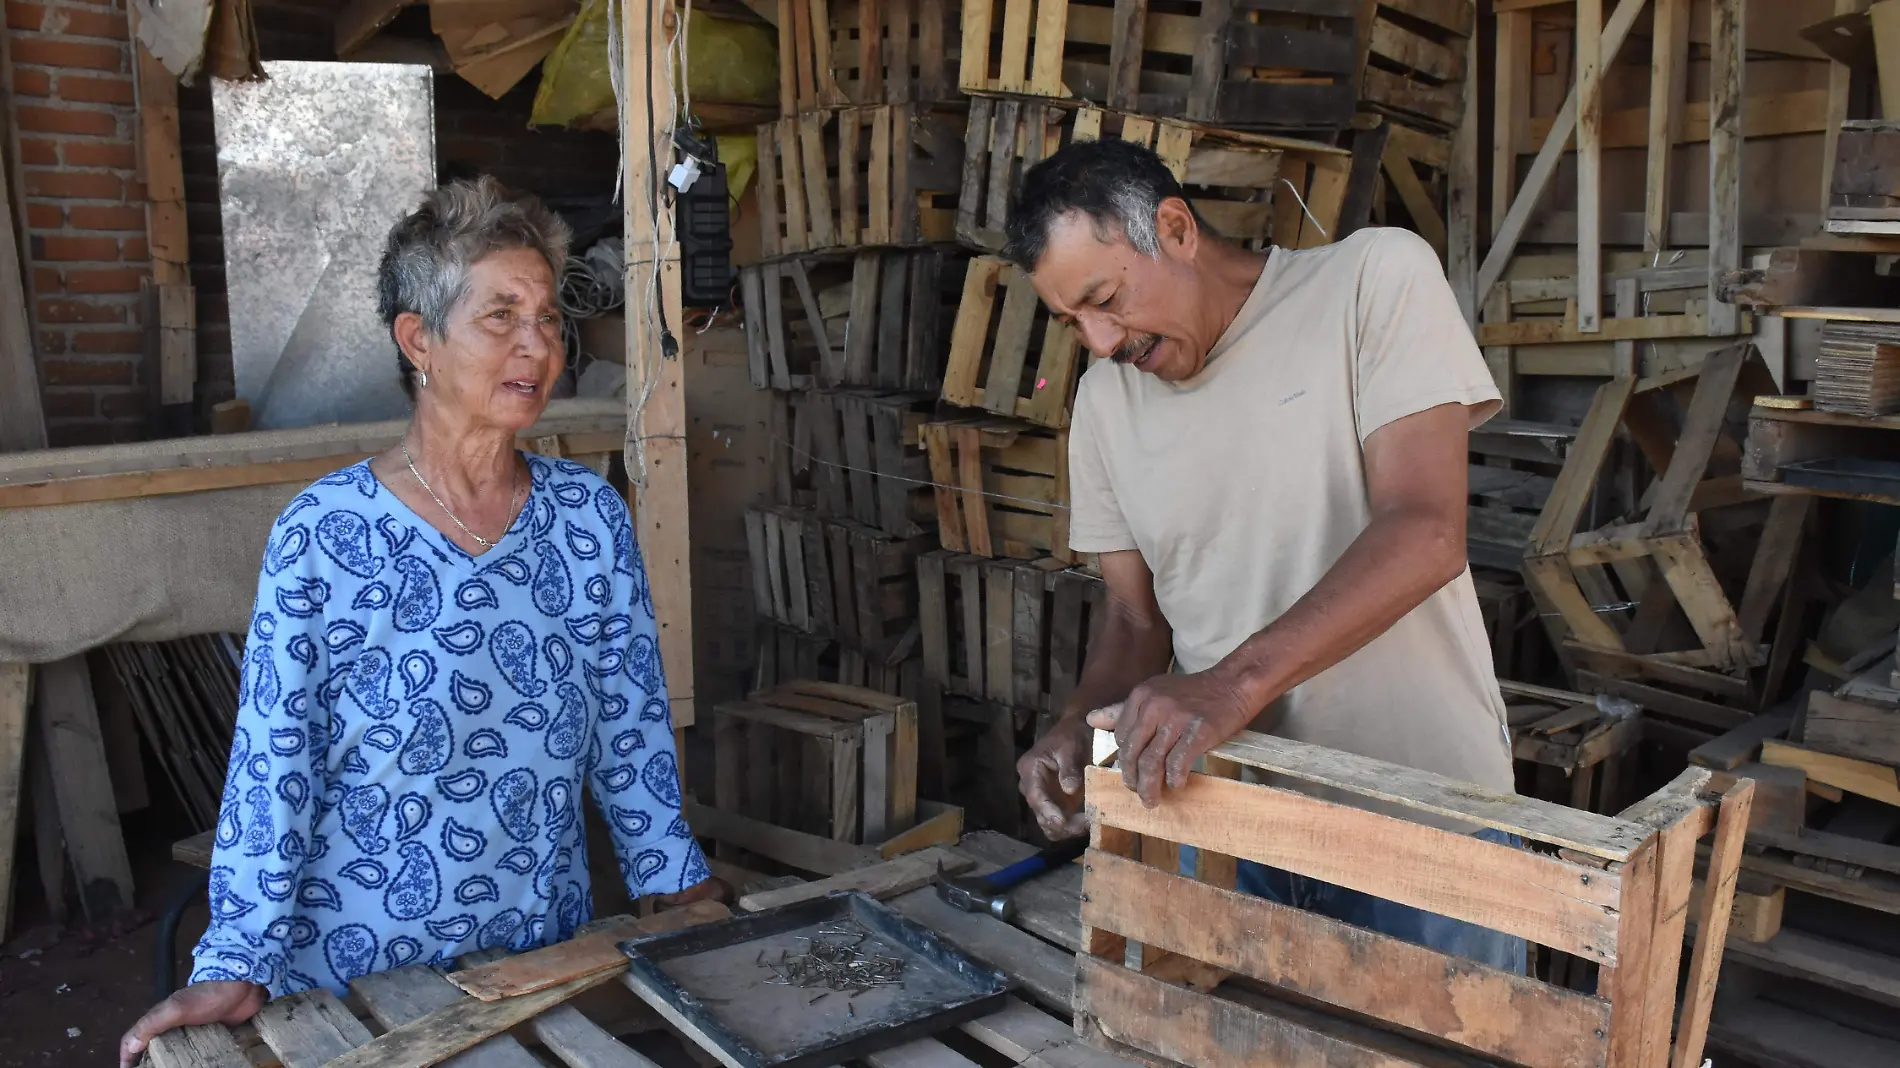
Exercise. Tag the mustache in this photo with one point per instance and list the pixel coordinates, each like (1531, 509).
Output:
(1133, 348)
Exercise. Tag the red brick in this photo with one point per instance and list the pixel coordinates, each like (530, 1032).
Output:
(74, 185)
(54, 248)
(105, 342)
(135, 192)
(103, 279)
(46, 280)
(68, 120)
(25, 16)
(52, 342)
(123, 405)
(66, 21)
(85, 90)
(99, 154)
(101, 217)
(80, 311)
(45, 216)
(134, 249)
(88, 372)
(34, 151)
(77, 404)
(28, 82)
(42, 52)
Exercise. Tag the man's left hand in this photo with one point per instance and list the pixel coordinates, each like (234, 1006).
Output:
(1166, 725)
(712, 889)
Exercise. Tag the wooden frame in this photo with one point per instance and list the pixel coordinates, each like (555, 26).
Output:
(1009, 355)
(847, 53)
(867, 468)
(858, 177)
(835, 579)
(1007, 631)
(1617, 893)
(1285, 64)
(824, 758)
(1002, 488)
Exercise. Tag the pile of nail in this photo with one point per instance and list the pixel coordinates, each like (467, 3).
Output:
(832, 959)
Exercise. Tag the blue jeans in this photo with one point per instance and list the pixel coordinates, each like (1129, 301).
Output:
(1417, 926)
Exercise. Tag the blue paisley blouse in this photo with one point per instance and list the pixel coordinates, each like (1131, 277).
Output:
(416, 724)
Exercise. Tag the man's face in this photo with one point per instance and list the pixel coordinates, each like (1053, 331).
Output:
(1127, 306)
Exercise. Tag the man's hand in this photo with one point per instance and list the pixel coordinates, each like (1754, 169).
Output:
(223, 1002)
(1167, 723)
(1050, 777)
(712, 889)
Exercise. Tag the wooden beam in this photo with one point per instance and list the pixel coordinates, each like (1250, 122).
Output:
(1418, 202)
(22, 425)
(1711, 923)
(1727, 61)
(1504, 244)
(1511, 103)
(1668, 86)
(1766, 115)
(162, 166)
(13, 709)
(1461, 197)
(1549, 331)
(1589, 166)
(82, 786)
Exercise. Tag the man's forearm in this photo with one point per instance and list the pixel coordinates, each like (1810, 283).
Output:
(1125, 654)
(1391, 568)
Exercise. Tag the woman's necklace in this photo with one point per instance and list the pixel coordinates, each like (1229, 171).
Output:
(513, 496)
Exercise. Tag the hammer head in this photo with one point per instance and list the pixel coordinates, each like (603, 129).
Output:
(972, 894)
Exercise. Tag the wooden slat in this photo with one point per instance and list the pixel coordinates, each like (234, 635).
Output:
(1036, 1039)
(1589, 165)
(1547, 901)
(82, 784)
(973, 66)
(849, 132)
(807, 852)
(14, 680)
(887, 148)
(1124, 59)
(1627, 985)
(1711, 925)
(1052, 18)
(427, 1020)
(308, 1029)
(1044, 971)
(205, 1046)
(1668, 88)
(1510, 1016)
(889, 879)
(552, 965)
(1727, 60)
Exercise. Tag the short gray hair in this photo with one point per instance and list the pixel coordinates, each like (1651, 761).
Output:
(427, 258)
(1117, 184)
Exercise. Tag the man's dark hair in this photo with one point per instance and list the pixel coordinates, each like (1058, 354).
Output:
(1117, 184)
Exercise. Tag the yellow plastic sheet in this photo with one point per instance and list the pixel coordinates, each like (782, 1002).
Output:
(726, 61)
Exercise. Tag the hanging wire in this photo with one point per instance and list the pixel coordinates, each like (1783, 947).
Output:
(1304, 210)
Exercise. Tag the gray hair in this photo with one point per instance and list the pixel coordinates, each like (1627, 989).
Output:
(1118, 185)
(429, 254)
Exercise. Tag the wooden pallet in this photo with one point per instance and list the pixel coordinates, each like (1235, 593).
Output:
(1230, 177)
(858, 177)
(1002, 487)
(1008, 355)
(867, 467)
(1415, 60)
(1010, 632)
(1280, 64)
(849, 54)
(823, 758)
(873, 319)
(835, 579)
(1617, 894)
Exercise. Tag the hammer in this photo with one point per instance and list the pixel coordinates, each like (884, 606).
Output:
(990, 893)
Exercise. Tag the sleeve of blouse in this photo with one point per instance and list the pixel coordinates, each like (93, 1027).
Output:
(271, 785)
(635, 770)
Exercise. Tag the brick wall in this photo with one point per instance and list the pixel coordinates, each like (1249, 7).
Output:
(74, 126)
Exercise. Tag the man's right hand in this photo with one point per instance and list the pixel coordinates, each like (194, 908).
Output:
(222, 1001)
(1050, 775)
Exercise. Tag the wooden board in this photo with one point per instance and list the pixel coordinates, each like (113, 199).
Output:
(578, 957)
(75, 751)
(1878, 781)
(893, 877)
(14, 680)
(1849, 728)
(309, 1029)
(206, 1046)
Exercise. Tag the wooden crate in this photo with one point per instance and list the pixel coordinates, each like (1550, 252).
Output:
(1230, 176)
(1279, 64)
(823, 758)
(1009, 355)
(858, 177)
(1006, 631)
(1415, 60)
(1002, 487)
(835, 579)
(867, 467)
(785, 545)
(1514, 466)
(884, 52)
(782, 654)
(876, 318)
(1617, 895)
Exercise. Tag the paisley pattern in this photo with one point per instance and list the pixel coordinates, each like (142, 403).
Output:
(415, 730)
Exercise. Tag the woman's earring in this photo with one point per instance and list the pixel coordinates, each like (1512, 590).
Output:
(422, 379)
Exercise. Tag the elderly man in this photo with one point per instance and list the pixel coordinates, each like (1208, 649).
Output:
(1271, 465)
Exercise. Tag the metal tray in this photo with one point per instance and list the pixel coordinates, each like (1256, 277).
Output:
(708, 981)
(1845, 474)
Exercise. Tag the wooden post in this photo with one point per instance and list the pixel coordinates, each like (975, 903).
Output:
(13, 705)
(1668, 87)
(1727, 57)
(162, 168)
(656, 426)
(82, 787)
(1840, 81)
(1512, 110)
(1461, 198)
(21, 424)
(1589, 166)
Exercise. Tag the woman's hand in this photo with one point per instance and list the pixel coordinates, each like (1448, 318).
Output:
(224, 1002)
(712, 889)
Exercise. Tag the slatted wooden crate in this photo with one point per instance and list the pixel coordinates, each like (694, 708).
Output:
(1002, 487)
(1415, 59)
(782, 654)
(789, 460)
(844, 54)
(835, 579)
(1613, 890)
(1006, 631)
(857, 177)
(1008, 355)
(866, 465)
(1281, 64)
(876, 318)
(1514, 466)
(785, 544)
(1230, 177)
(823, 758)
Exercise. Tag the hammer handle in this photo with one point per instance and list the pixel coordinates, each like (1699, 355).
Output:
(1029, 867)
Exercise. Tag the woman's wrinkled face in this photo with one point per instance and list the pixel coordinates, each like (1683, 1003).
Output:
(498, 363)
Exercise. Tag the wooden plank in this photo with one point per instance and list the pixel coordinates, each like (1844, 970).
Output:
(1668, 89)
(14, 691)
(1128, 32)
(890, 147)
(1209, 56)
(1509, 1016)
(428, 1021)
(1461, 199)
(1702, 429)
(309, 1029)
(1741, 744)
(1052, 23)
(1563, 906)
(1543, 821)
(1878, 781)
(1036, 1039)
(848, 193)
(1754, 916)
(1589, 165)
(976, 512)
(1834, 964)
(1014, 67)
(973, 64)
(1553, 331)
(1705, 962)
(807, 852)
(1627, 985)
(1727, 61)
(69, 731)
(1418, 203)
(1840, 80)
(576, 958)
(1774, 560)
(1010, 350)
(1851, 728)
(860, 345)
(1044, 971)
(22, 424)
(203, 1046)
(811, 143)
(889, 879)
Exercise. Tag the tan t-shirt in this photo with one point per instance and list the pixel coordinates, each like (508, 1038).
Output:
(1242, 486)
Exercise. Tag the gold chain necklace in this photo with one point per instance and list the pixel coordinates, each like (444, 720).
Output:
(513, 496)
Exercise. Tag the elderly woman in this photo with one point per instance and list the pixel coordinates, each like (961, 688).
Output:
(450, 641)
